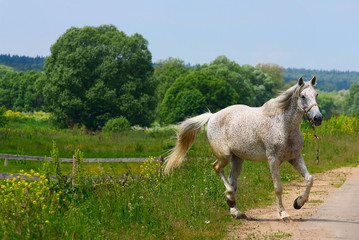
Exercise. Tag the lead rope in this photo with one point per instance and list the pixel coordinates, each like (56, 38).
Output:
(316, 138)
(311, 124)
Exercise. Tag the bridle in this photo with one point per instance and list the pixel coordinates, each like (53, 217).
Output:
(308, 108)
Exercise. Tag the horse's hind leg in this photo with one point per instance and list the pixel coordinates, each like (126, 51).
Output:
(236, 170)
(299, 164)
(231, 183)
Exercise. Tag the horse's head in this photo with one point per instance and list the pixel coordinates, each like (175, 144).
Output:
(307, 101)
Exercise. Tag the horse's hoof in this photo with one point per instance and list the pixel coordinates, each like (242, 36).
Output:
(287, 220)
(239, 215)
(295, 204)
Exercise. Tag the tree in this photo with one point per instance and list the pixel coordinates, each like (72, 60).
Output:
(275, 71)
(326, 103)
(262, 85)
(5, 69)
(351, 103)
(332, 103)
(230, 71)
(193, 94)
(166, 73)
(327, 80)
(3, 118)
(253, 86)
(98, 73)
(22, 63)
(18, 91)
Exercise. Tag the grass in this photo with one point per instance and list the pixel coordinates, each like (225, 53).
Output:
(14, 166)
(150, 207)
(188, 204)
(33, 137)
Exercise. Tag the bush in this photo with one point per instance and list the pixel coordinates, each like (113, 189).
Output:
(3, 118)
(118, 124)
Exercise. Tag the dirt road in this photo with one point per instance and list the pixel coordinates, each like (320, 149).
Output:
(338, 217)
(331, 213)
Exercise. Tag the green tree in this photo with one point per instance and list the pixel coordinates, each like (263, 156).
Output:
(326, 103)
(193, 94)
(327, 80)
(4, 69)
(18, 91)
(331, 103)
(275, 71)
(262, 85)
(351, 103)
(98, 73)
(231, 72)
(3, 118)
(253, 86)
(165, 74)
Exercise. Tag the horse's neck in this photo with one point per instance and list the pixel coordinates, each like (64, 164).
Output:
(292, 117)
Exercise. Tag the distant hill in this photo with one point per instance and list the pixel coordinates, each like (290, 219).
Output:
(327, 80)
(22, 63)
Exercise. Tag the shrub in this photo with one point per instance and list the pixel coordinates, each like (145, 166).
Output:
(118, 124)
(3, 118)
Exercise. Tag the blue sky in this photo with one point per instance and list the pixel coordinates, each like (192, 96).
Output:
(313, 34)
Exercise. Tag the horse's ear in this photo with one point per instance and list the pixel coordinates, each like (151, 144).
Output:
(300, 81)
(313, 81)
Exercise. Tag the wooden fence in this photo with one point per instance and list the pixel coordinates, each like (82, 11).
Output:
(7, 157)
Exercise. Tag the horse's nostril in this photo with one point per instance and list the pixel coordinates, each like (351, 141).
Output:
(317, 119)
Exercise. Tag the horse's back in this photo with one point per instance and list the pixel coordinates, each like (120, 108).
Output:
(236, 130)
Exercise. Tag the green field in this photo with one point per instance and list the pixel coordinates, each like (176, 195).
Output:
(136, 201)
(34, 137)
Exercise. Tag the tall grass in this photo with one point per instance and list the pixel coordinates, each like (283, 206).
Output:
(34, 137)
(147, 205)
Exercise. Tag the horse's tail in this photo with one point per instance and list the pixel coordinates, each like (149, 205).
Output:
(187, 134)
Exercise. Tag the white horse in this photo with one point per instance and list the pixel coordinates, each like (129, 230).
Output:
(268, 133)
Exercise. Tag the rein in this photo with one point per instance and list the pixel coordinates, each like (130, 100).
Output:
(312, 125)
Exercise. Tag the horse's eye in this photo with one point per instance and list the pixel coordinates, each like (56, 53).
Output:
(303, 97)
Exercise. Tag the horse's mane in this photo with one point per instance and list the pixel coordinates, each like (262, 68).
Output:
(281, 103)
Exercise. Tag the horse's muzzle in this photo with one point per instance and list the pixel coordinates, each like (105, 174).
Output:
(317, 119)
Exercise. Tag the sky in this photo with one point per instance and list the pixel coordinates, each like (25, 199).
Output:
(314, 34)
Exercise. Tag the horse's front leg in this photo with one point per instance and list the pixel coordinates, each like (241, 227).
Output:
(299, 164)
(274, 165)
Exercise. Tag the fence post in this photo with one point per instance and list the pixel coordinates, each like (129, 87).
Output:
(73, 164)
(73, 170)
(6, 162)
